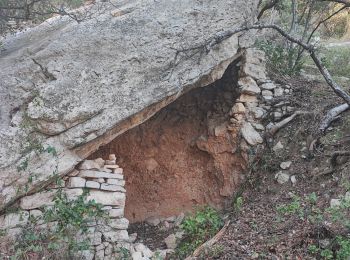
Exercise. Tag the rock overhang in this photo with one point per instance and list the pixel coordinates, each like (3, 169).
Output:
(83, 84)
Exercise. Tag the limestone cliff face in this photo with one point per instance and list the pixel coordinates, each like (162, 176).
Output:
(72, 86)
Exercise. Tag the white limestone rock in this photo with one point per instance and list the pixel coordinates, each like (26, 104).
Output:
(89, 165)
(116, 236)
(238, 108)
(115, 213)
(268, 86)
(282, 177)
(107, 198)
(116, 182)
(37, 200)
(121, 223)
(11, 220)
(76, 182)
(111, 187)
(92, 185)
(248, 86)
(285, 165)
(250, 134)
(98, 174)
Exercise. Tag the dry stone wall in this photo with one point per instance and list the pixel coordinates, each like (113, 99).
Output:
(105, 183)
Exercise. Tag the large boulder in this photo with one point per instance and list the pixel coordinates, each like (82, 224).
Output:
(68, 87)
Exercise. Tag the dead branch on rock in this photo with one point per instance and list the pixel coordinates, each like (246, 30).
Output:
(272, 130)
(335, 156)
(332, 115)
(210, 242)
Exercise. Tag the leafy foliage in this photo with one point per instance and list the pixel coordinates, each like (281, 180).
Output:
(57, 238)
(198, 228)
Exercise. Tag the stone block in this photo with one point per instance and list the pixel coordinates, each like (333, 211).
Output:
(121, 223)
(118, 171)
(111, 187)
(14, 219)
(112, 157)
(73, 194)
(37, 200)
(250, 134)
(116, 236)
(98, 174)
(100, 162)
(116, 182)
(76, 182)
(92, 185)
(248, 86)
(238, 108)
(107, 198)
(89, 165)
(115, 213)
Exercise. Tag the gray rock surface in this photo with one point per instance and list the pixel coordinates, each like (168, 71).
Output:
(72, 85)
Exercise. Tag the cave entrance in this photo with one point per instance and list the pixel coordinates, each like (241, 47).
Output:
(182, 157)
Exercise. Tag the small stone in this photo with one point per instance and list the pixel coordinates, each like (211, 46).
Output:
(73, 173)
(137, 256)
(112, 167)
(111, 187)
(112, 157)
(278, 92)
(35, 213)
(268, 98)
(110, 162)
(108, 249)
(116, 182)
(100, 180)
(170, 241)
(258, 112)
(268, 86)
(118, 171)
(238, 108)
(282, 177)
(92, 185)
(277, 115)
(250, 134)
(132, 237)
(267, 93)
(293, 179)
(153, 221)
(100, 162)
(290, 109)
(278, 147)
(171, 219)
(335, 203)
(285, 165)
(100, 247)
(76, 182)
(89, 165)
(258, 126)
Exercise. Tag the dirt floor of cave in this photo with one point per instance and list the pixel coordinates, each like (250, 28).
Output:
(182, 157)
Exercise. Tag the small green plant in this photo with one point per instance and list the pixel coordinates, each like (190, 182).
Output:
(292, 208)
(64, 220)
(124, 253)
(312, 198)
(238, 203)
(197, 229)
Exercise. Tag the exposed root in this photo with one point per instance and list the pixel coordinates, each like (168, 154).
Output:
(209, 243)
(272, 130)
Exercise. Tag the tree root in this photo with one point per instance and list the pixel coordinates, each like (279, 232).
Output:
(272, 130)
(209, 243)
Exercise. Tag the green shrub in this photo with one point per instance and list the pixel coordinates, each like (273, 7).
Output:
(198, 228)
(281, 59)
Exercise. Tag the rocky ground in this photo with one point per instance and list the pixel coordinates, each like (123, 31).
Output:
(290, 185)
